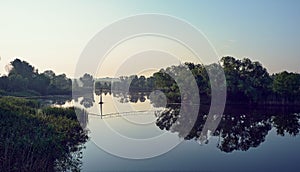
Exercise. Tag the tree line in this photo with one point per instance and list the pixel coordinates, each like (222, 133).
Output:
(23, 79)
(246, 82)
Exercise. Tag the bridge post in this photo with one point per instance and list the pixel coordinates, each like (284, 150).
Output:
(101, 102)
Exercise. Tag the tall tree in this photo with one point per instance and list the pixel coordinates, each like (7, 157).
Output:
(22, 68)
(246, 79)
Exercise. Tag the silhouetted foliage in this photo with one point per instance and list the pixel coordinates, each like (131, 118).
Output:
(239, 129)
(247, 82)
(23, 79)
(287, 86)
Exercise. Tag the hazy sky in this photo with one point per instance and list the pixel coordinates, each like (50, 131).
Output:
(52, 34)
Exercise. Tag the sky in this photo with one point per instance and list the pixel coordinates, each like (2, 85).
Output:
(52, 34)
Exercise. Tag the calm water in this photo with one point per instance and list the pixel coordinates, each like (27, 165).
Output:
(247, 139)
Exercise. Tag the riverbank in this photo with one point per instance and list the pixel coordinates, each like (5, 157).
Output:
(47, 139)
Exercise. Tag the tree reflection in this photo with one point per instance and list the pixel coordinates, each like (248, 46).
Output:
(242, 132)
(239, 129)
(132, 97)
(287, 124)
(88, 100)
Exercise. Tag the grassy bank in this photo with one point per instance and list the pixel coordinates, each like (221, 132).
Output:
(38, 140)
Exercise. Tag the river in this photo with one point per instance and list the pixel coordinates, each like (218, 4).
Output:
(128, 137)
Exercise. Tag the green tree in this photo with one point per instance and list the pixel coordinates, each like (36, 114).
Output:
(22, 68)
(287, 85)
(201, 76)
(246, 79)
(3, 83)
(142, 83)
(20, 76)
(150, 83)
(40, 84)
(60, 84)
(49, 73)
(17, 83)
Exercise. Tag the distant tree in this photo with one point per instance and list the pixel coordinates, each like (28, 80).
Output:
(150, 83)
(23, 77)
(63, 81)
(3, 83)
(40, 84)
(60, 84)
(287, 85)
(134, 83)
(142, 83)
(162, 80)
(231, 67)
(49, 73)
(17, 83)
(22, 68)
(87, 81)
(20, 76)
(201, 76)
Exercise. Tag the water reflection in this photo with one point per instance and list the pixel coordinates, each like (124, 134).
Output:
(132, 97)
(239, 129)
(88, 100)
(286, 124)
(59, 101)
(82, 117)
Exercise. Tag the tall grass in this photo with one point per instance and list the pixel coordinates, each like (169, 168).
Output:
(38, 141)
